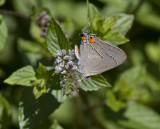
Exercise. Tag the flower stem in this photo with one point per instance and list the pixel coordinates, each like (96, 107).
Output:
(14, 13)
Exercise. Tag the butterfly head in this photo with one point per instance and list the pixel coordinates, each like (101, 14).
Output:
(87, 37)
(84, 36)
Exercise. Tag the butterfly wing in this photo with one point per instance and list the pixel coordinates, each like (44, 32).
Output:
(99, 57)
(89, 60)
(113, 55)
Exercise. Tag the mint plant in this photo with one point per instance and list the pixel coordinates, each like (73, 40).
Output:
(41, 83)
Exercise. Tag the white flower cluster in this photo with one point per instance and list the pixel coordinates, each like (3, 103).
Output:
(66, 65)
(43, 21)
(65, 62)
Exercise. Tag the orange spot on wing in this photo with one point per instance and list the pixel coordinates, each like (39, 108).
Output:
(83, 37)
(91, 40)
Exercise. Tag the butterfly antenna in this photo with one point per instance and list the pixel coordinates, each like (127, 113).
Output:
(89, 27)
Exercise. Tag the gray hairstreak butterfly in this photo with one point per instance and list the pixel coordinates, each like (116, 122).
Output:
(96, 56)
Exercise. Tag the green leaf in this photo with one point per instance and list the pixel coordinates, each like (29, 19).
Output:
(55, 125)
(142, 116)
(148, 12)
(94, 83)
(43, 72)
(93, 15)
(111, 29)
(2, 2)
(32, 111)
(29, 46)
(31, 51)
(153, 52)
(5, 113)
(120, 6)
(132, 77)
(3, 33)
(123, 24)
(113, 103)
(70, 26)
(58, 94)
(65, 113)
(107, 24)
(99, 24)
(136, 83)
(35, 32)
(45, 78)
(115, 39)
(132, 124)
(56, 39)
(23, 6)
(137, 57)
(130, 83)
(40, 87)
(23, 76)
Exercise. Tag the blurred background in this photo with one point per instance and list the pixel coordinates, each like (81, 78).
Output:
(133, 101)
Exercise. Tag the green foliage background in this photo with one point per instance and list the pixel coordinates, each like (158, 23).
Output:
(127, 97)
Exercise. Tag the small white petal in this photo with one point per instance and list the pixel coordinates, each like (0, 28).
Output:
(63, 51)
(61, 64)
(64, 72)
(74, 67)
(71, 52)
(58, 69)
(67, 57)
(61, 82)
(59, 53)
(70, 63)
(79, 80)
(67, 66)
(58, 60)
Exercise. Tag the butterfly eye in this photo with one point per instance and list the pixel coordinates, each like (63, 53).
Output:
(82, 35)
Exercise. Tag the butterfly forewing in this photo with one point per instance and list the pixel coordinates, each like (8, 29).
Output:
(99, 57)
(114, 52)
(91, 60)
